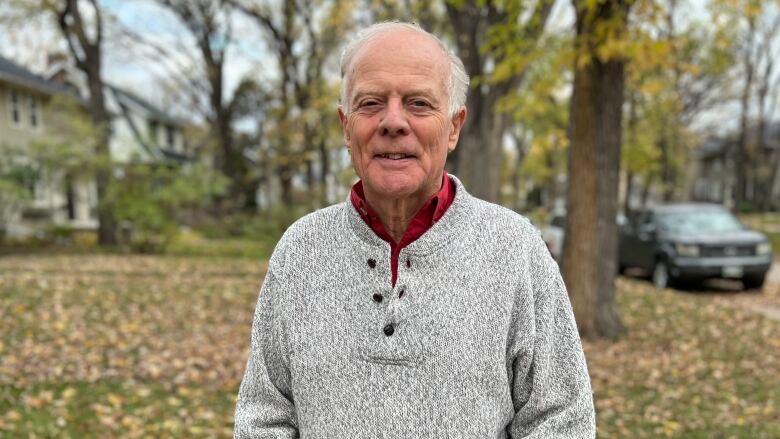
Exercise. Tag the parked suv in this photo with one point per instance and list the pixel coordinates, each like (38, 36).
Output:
(693, 242)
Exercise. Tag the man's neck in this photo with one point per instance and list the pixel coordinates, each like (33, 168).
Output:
(396, 213)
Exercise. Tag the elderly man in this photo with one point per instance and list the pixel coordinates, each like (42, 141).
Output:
(412, 310)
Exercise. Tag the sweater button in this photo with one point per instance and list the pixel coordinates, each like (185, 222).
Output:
(388, 329)
(378, 297)
(371, 263)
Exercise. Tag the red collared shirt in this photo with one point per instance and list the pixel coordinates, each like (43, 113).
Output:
(429, 213)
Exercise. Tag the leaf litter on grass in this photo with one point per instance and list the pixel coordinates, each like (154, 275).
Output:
(153, 346)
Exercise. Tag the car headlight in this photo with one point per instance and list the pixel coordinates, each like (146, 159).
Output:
(763, 249)
(691, 250)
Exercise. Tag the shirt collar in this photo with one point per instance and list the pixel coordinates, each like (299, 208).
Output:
(433, 208)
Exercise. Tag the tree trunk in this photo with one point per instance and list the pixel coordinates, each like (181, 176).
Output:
(311, 185)
(107, 229)
(668, 180)
(629, 191)
(231, 161)
(285, 174)
(516, 175)
(740, 156)
(590, 247)
(646, 190)
(325, 170)
(771, 197)
(480, 148)
(633, 121)
(88, 57)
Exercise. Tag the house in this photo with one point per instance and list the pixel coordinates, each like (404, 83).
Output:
(139, 132)
(27, 116)
(716, 178)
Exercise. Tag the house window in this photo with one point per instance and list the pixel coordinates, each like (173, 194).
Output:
(16, 110)
(170, 136)
(35, 112)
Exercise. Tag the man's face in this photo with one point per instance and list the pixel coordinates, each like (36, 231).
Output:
(398, 128)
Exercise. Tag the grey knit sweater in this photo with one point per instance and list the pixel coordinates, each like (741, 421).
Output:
(476, 340)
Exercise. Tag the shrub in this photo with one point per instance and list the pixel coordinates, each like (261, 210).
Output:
(146, 199)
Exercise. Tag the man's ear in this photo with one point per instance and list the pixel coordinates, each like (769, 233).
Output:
(343, 119)
(457, 124)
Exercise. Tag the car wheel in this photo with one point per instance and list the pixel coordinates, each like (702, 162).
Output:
(753, 282)
(661, 277)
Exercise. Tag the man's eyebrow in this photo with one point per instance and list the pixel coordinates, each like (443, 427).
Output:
(427, 92)
(363, 93)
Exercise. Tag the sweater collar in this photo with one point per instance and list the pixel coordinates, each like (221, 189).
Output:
(430, 212)
(451, 224)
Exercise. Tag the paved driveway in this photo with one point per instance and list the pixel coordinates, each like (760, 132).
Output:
(766, 302)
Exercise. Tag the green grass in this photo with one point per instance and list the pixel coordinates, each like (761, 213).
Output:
(186, 243)
(111, 345)
(114, 409)
(230, 248)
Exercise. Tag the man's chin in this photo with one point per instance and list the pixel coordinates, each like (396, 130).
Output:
(394, 190)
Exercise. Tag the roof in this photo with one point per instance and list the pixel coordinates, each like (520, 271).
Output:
(125, 98)
(16, 74)
(716, 145)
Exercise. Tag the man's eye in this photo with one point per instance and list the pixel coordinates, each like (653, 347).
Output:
(420, 103)
(369, 103)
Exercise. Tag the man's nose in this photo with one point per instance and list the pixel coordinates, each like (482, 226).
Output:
(395, 122)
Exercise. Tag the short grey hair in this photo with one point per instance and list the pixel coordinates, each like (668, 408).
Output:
(458, 81)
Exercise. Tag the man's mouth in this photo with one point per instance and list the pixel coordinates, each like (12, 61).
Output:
(395, 156)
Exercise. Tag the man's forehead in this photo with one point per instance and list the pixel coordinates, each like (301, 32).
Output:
(363, 89)
(401, 43)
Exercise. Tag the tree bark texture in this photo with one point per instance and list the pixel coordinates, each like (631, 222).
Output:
(590, 247)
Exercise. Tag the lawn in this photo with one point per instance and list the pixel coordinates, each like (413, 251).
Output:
(155, 346)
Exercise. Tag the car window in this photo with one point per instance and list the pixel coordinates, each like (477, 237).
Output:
(699, 222)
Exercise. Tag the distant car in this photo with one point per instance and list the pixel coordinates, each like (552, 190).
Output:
(692, 242)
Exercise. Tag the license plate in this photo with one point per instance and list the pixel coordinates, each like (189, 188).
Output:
(732, 272)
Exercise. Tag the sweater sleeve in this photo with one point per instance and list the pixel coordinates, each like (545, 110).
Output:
(265, 407)
(551, 388)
